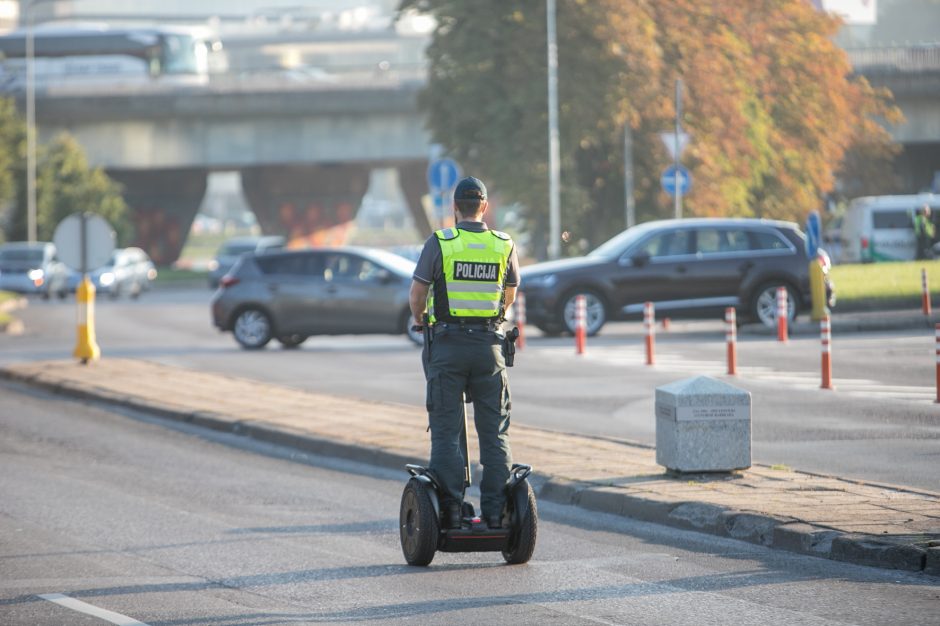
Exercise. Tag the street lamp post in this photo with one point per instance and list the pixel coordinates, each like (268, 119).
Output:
(30, 125)
(554, 169)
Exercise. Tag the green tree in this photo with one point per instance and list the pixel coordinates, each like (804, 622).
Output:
(769, 100)
(65, 184)
(12, 152)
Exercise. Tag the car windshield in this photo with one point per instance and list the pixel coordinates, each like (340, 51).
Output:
(237, 249)
(21, 254)
(617, 245)
(392, 261)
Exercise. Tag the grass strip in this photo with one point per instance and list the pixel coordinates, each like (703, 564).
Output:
(880, 283)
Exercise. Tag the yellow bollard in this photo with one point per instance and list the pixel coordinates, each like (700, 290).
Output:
(817, 288)
(86, 348)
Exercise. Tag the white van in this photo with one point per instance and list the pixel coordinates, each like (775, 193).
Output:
(881, 228)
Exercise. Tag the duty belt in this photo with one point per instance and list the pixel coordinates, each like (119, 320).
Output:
(441, 327)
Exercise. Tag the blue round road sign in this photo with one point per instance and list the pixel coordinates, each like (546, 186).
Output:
(671, 182)
(443, 174)
(813, 231)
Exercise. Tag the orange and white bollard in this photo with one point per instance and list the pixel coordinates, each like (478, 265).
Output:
(825, 336)
(937, 332)
(580, 323)
(731, 335)
(925, 291)
(649, 323)
(782, 314)
(519, 305)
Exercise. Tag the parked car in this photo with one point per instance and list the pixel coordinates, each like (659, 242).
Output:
(233, 248)
(291, 295)
(32, 268)
(130, 271)
(688, 267)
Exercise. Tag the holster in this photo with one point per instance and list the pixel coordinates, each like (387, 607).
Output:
(509, 346)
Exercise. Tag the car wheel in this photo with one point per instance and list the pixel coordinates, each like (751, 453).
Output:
(289, 342)
(764, 303)
(596, 311)
(252, 329)
(416, 336)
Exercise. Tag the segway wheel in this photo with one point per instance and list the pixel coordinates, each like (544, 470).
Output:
(524, 521)
(419, 525)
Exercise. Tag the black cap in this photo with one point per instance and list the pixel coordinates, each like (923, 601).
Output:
(470, 188)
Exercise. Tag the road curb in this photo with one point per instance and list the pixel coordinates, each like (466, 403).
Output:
(915, 554)
(780, 533)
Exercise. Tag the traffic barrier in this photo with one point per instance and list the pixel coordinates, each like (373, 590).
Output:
(782, 314)
(519, 305)
(925, 291)
(580, 323)
(86, 346)
(649, 323)
(937, 332)
(731, 335)
(825, 336)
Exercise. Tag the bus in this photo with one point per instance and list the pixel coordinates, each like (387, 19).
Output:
(96, 56)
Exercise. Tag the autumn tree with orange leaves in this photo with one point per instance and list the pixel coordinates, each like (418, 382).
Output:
(775, 114)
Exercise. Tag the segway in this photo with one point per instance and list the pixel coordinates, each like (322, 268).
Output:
(422, 531)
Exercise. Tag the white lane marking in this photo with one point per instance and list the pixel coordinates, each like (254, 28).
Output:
(632, 356)
(90, 609)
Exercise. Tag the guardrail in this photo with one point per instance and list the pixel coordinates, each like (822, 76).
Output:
(907, 59)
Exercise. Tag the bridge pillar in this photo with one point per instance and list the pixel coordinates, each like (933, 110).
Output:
(162, 204)
(311, 205)
(413, 179)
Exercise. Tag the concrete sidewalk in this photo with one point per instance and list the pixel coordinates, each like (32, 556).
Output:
(864, 523)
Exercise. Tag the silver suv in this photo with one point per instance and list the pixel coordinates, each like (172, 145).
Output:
(32, 268)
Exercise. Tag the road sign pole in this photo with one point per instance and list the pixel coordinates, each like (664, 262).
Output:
(629, 204)
(678, 196)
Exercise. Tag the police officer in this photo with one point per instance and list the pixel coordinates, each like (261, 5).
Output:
(923, 231)
(465, 279)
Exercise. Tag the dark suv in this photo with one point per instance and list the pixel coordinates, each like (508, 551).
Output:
(689, 267)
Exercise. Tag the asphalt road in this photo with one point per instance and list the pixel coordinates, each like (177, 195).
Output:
(161, 524)
(880, 424)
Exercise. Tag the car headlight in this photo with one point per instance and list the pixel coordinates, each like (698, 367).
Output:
(213, 265)
(542, 281)
(34, 275)
(106, 279)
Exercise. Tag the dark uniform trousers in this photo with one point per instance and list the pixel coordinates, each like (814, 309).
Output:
(460, 359)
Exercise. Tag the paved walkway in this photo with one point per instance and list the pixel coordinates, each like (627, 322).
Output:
(870, 524)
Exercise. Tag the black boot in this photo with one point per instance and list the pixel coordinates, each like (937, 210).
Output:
(451, 515)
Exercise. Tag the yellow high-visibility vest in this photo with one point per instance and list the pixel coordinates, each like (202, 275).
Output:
(474, 273)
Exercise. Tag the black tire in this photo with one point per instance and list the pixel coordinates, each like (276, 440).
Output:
(252, 328)
(525, 530)
(418, 524)
(596, 311)
(289, 342)
(763, 307)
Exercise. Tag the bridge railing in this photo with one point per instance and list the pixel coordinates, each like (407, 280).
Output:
(906, 59)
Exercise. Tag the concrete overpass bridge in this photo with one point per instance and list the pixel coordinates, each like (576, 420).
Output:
(912, 73)
(305, 150)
